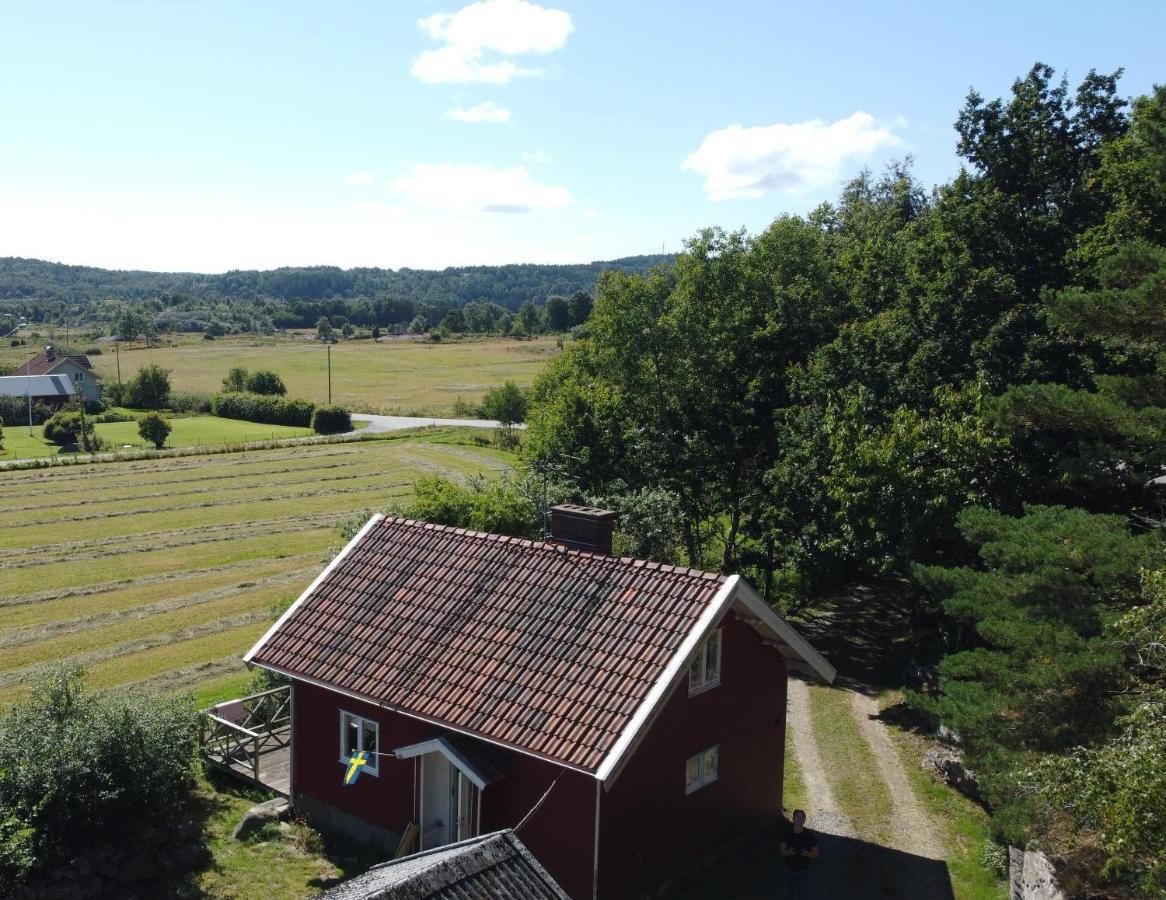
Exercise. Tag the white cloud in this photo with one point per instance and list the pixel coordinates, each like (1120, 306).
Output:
(362, 177)
(538, 156)
(739, 162)
(468, 189)
(483, 112)
(479, 37)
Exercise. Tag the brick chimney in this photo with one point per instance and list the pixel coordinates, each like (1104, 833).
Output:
(583, 527)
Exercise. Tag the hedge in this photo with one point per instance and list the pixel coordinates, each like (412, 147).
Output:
(331, 420)
(269, 409)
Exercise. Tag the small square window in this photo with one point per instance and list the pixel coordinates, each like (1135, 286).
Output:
(704, 671)
(359, 735)
(701, 769)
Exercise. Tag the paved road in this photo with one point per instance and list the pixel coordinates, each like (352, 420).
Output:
(377, 424)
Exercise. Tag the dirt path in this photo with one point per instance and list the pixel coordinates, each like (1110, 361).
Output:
(823, 815)
(914, 830)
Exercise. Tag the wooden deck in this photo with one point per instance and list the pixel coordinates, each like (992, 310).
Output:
(251, 739)
(274, 768)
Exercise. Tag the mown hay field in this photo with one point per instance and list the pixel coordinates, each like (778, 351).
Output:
(162, 572)
(395, 376)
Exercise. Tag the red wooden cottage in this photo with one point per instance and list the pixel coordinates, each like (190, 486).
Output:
(626, 717)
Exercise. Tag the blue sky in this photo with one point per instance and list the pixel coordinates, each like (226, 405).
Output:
(210, 136)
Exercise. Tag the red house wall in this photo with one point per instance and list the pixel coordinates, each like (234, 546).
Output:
(650, 830)
(561, 834)
(385, 800)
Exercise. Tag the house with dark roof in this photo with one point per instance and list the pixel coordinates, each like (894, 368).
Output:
(76, 367)
(493, 865)
(627, 718)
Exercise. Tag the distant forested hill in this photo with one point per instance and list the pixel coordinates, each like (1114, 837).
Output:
(41, 289)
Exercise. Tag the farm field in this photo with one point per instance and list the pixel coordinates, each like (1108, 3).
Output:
(397, 376)
(192, 431)
(162, 572)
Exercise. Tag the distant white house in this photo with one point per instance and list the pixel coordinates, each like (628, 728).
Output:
(77, 369)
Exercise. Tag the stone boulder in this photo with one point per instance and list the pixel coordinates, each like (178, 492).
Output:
(950, 769)
(1033, 876)
(259, 815)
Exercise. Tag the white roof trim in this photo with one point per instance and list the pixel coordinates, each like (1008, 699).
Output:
(446, 749)
(785, 633)
(632, 732)
(311, 587)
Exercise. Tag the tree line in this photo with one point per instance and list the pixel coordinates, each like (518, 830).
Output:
(962, 389)
(256, 301)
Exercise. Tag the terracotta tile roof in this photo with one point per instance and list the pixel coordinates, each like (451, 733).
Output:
(42, 365)
(532, 645)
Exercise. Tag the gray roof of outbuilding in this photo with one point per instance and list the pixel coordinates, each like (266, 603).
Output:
(495, 865)
(36, 386)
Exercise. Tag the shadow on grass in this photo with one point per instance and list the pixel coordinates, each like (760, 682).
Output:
(846, 868)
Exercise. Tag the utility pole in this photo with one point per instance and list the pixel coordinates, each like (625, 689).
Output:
(117, 356)
(329, 371)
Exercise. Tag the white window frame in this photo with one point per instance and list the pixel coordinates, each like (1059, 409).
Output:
(708, 768)
(373, 766)
(701, 675)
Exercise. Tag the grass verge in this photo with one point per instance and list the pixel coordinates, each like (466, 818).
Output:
(855, 780)
(793, 795)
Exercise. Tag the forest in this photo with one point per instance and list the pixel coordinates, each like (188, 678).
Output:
(256, 301)
(960, 392)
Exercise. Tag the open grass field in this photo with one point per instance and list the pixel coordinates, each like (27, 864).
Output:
(193, 431)
(162, 572)
(398, 377)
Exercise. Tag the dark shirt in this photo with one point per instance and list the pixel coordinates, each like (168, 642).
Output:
(804, 841)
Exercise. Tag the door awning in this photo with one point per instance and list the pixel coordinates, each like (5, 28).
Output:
(477, 761)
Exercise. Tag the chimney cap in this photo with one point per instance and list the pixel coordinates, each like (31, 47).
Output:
(585, 512)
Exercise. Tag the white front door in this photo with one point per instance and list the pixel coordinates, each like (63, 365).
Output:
(446, 802)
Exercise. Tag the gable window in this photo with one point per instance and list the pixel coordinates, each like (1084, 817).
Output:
(356, 735)
(701, 769)
(704, 671)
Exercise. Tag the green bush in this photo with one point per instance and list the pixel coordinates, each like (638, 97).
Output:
(64, 428)
(331, 420)
(149, 389)
(14, 411)
(264, 408)
(93, 351)
(153, 428)
(79, 768)
(106, 417)
(113, 394)
(265, 382)
(191, 403)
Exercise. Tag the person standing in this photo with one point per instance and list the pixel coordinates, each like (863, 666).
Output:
(798, 846)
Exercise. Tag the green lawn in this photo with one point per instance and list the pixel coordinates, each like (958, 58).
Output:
(188, 431)
(201, 431)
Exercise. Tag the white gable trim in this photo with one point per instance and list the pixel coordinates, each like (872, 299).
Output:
(784, 632)
(311, 587)
(446, 749)
(635, 730)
